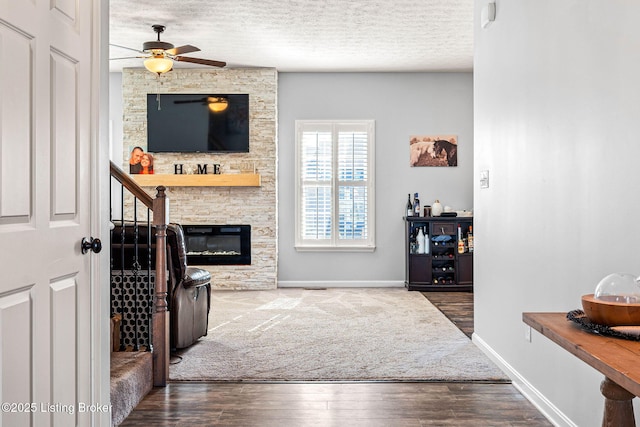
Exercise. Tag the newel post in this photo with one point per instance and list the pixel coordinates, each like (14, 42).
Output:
(161, 350)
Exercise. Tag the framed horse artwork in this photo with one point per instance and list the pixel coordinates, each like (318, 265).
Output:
(433, 150)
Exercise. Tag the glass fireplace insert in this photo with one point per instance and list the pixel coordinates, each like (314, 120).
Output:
(218, 244)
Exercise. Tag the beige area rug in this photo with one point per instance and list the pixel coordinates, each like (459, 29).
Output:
(331, 335)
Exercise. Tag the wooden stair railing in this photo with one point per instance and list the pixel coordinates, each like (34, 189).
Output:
(160, 319)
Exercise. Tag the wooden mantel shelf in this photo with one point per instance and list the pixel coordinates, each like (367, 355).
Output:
(195, 180)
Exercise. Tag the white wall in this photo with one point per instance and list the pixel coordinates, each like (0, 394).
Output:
(557, 118)
(115, 118)
(402, 105)
(115, 139)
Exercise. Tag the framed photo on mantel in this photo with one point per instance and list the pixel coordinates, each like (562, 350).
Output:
(140, 162)
(433, 150)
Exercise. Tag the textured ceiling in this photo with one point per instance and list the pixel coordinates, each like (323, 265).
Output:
(304, 35)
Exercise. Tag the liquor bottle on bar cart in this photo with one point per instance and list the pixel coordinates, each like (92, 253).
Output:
(460, 241)
(409, 205)
(416, 205)
(426, 240)
(470, 239)
(421, 241)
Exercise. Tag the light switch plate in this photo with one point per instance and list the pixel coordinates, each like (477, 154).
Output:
(484, 179)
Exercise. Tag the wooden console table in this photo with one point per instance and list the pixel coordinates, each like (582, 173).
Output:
(617, 359)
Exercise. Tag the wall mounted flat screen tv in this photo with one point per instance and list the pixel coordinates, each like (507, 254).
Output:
(184, 123)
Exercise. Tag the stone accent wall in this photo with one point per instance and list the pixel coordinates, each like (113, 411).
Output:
(256, 206)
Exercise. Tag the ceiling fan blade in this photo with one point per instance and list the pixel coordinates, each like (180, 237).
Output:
(125, 47)
(190, 101)
(127, 57)
(200, 61)
(182, 49)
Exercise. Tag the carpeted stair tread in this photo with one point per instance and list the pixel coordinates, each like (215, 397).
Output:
(131, 380)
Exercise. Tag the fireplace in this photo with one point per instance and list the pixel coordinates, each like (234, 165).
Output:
(218, 244)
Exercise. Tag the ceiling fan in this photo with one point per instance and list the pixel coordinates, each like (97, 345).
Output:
(160, 55)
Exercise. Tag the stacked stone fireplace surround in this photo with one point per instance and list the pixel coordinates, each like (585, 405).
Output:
(256, 206)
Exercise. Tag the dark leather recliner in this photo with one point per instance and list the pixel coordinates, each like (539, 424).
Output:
(190, 292)
(188, 288)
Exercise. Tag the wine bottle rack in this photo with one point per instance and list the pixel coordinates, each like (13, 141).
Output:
(442, 267)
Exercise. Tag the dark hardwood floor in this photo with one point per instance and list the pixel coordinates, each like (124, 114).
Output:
(456, 306)
(322, 404)
(343, 404)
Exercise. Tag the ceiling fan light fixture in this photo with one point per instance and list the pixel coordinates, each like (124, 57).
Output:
(158, 64)
(217, 104)
(161, 54)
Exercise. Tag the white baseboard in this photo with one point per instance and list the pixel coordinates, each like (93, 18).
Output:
(340, 284)
(550, 411)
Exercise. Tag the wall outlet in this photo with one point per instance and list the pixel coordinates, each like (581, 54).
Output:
(527, 333)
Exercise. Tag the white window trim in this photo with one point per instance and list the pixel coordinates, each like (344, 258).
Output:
(333, 245)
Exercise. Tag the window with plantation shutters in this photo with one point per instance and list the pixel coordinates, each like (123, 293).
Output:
(334, 183)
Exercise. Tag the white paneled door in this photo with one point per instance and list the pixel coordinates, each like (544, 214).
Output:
(45, 155)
